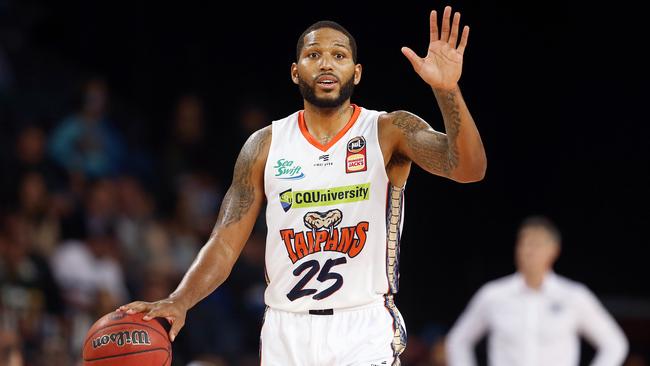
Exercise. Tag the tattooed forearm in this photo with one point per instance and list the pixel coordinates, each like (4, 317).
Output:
(239, 198)
(429, 149)
(451, 114)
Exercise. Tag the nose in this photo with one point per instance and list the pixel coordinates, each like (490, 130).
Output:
(326, 62)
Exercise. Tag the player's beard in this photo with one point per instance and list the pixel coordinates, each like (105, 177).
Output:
(309, 94)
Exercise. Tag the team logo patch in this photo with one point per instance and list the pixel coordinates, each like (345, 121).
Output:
(325, 234)
(355, 159)
(324, 197)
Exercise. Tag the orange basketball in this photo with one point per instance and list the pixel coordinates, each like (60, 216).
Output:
(121, 339)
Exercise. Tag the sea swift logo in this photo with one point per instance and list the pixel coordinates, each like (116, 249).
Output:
(136, 337)
(324, 197)
(285, 169)
(323, 235)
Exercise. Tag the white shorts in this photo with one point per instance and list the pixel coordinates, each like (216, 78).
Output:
(371, 335)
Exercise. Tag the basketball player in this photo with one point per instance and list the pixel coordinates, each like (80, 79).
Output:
(332, 176)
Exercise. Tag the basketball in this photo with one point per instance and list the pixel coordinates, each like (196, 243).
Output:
(121, 339)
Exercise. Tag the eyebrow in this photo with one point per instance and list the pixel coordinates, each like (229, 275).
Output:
(337, 44)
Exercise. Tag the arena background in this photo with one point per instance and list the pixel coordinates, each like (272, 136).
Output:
(557, 91)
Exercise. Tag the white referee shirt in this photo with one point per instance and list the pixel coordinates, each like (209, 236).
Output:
(530, 327)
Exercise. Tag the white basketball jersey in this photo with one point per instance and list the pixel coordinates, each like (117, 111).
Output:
(333, 219)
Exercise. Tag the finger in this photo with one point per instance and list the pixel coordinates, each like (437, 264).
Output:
(445, 24)
(433, 26)
(125, 307)
(415, 60)
(453, 38)
(161, 310)
(156, 312)
(135, 307)
(176, 327)
(463, 40)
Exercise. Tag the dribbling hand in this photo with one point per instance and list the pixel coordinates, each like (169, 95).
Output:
(170, 309)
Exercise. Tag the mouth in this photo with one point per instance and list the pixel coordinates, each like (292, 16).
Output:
(327, 82)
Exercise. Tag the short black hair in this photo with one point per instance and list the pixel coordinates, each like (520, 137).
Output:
(540, 221)
(327, 24)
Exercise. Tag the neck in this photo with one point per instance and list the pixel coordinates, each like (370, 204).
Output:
(534, 280)
(324, 123)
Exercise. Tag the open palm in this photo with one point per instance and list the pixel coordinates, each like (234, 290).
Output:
(443, 64)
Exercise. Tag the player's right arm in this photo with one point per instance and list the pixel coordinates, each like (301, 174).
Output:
(239, 210)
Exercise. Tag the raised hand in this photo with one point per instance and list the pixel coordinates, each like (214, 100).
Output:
(443, 64)
(169, 309)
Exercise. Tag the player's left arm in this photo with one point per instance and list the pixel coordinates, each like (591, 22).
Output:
(457, 154)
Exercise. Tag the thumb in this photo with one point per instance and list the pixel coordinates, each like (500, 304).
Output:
(415, 60)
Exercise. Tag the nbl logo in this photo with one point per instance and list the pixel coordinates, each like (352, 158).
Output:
(356, 144)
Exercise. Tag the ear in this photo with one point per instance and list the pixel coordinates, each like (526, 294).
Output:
(558, 250)
(555, 254)
(357, 74)
(294, 73)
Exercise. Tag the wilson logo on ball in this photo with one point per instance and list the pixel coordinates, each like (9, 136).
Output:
(136, 337)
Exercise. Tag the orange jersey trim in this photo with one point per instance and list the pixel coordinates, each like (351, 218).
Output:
(318, 145)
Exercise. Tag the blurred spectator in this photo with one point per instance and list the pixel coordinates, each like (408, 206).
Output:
(29, 296)
(25, 277)
(187, 149)
(534, 317)
(197, 201)
(10, 349)
(252, 117)
(28, 156)
(635, 359)
(199, 198)
(151, 265)
(91, 280)
(134, 212)
(40, 216)
(438, 353)
(248, 283)
(101, 207)
(84, 269)
(187, 153)
(87, 141)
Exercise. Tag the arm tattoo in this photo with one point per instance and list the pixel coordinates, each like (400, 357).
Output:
(239, 198)
(451, 115)
(430, 148)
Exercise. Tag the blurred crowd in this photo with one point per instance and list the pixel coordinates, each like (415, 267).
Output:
(90, 221)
